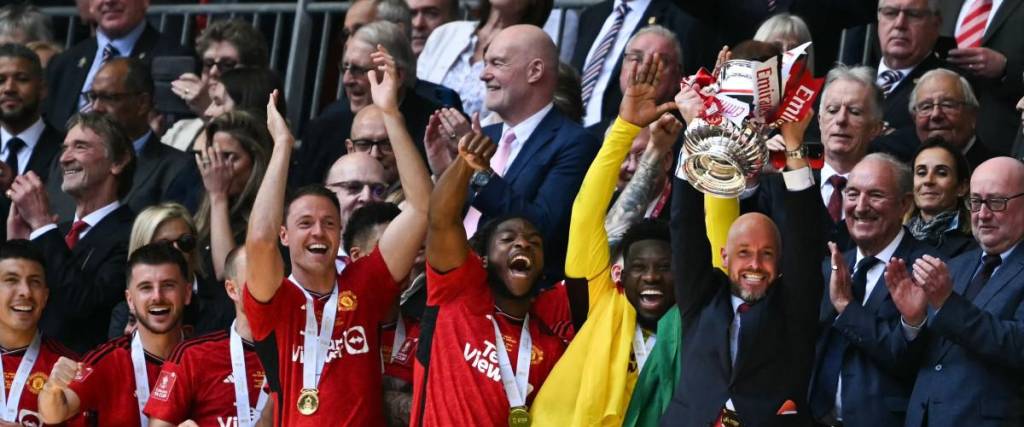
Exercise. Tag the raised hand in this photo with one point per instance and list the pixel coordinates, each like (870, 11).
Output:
(384, 81)
(840, 289)
(793, 132)
(454, 124)
(932, 275)
(639, 104)
(910, 299)
(689, 102)
(276, 124)
(216, 170)
(17, 228)
(724, 56)
(665, 133)
(477, 149)
(194, 91)
(27, 191)
(63, 372)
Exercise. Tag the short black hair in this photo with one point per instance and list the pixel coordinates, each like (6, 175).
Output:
(316, 190)
(647, 229)
(963, 168)
(12, 50)
(250, 87)
(22, 249)
(364, 219)
(138, 77)
(158, 253)
(482, 239)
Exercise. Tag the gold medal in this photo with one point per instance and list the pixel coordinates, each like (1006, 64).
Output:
(308, 401)
(519, 417)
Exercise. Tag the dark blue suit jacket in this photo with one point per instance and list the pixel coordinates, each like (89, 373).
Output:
(541, 183)
(971, 374)
(879, 365)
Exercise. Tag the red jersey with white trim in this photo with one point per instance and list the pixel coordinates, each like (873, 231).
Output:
(552, 308)
(28, 407)
(106, 383)
(457, 379)
(196, 383)
(350, 392)
(401, 366)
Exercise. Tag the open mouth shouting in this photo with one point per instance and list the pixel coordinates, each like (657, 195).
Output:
(519, 266)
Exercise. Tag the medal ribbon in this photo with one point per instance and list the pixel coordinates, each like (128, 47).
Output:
(314, 345)
(396, 347)
(241, 380)
(515, 384)
(642, 348)
(141, 377)
(9, 408)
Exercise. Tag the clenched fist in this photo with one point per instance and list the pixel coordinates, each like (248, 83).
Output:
(63, 372)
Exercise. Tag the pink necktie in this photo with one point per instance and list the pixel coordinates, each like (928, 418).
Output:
(972, 29)
(498, 165)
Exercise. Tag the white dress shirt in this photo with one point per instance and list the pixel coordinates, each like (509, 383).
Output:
(523, 131)
(826, 187)
(92, 219)
(124, 46)
(637, 8)
(29, 136)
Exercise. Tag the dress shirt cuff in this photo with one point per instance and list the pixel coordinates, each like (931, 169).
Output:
(798, 180)
(909, 331)
(749, 191)
(41, 231)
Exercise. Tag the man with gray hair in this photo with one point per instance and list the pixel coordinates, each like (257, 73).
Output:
(863, 359)
(23, 23)
(944, 105)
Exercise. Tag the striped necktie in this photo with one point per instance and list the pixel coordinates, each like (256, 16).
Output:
(888, 79)
(109, 51)
(593, 69)
(972, 28)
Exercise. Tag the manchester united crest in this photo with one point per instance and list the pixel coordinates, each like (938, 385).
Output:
(36, 382)
(347, 301)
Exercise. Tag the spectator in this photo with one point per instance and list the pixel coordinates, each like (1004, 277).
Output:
(396, 12)
(599, 66)
(123, 89)
(860, 370)
(787, 32)
(222, 46)
(989, 49)
(27, 143)
(324, 139)
(113, 380)
(23, 24)
(940, 217)
(242, 88)
(122, 31)
(359, 13)
(86, 257)
(454, 53)
(45, 50)
(567, 95)
(944, 106)
(542, 156)
(31, 356)
(1018, 146)
(972, 310)
(427, 15)
(370, 136)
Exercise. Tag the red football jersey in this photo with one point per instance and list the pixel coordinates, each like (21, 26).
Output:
(28, 407)
(350, 386)
(200, 385)
(106, 383)
(462, 384)
(401, 366)
(552, 308)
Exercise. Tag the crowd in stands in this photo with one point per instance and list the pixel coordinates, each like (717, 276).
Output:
(485, 229)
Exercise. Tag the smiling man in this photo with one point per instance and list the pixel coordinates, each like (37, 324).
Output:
(114, 380)
(944, 106)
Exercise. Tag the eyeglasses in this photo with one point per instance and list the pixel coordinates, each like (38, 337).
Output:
(107, 98)
(354, 187)
(925, 108)
(995, 204)
(893, 13)
(365, 145)
(357, 71)
(184, 243)
(223, 64)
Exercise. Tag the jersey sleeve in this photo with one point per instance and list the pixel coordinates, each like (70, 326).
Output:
(372, 274)
(443, 288)
(264, 316)
(170, 399)
(92, 383)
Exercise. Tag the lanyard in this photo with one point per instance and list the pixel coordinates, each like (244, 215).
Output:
(642, 348)
(315, 345)
(396, 347)
(515, 384)
(241, 379)
(141, 377)
(9, 408)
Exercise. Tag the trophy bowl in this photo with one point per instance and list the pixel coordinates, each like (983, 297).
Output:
(720, 159)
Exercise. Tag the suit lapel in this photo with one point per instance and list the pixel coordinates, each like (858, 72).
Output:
(145, 43)
(44, 152)
(1002, 14)
(1002, 277)
(545, 131)
(962, 278)
(148, 161)
(723, 307)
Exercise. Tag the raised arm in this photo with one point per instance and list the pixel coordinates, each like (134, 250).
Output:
(57, 402)
(265, 268)
(217, 173)
(402, 239)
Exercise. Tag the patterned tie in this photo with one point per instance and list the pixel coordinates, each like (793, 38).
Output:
(593, 69)
(77, 228)
(14, 145)
(498, 165)
(109, 51)
(835, 202)
(888, 79)
(989, 263)
(771, 6)
(972, 28)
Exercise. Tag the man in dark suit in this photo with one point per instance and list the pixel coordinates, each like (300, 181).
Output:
(121, 32)
(595, 25)
(970, 313)
(864, 366)
(27, 143)
(123, 89)
(541, 156)
(994, 64)
(749, 332)
(86, 257)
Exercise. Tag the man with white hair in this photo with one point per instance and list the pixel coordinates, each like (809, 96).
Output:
(944, 106)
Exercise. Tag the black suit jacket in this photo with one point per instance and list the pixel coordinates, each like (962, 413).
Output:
(904, 143)
(878, 367)
(776, 341)
(66, 73)
(87, 282)
(769, 199)
(897, 103)
(43, 153)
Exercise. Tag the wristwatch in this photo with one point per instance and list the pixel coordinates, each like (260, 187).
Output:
(799, 153)
(480, 179)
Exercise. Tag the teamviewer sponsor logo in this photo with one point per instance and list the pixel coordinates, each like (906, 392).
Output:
(353, 342)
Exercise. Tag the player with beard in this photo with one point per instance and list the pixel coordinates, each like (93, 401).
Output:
(483, 352)
(27, 356)
(199, 384)
(113, 381)
(328, 354)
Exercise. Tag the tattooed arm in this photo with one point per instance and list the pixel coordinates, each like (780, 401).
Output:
(645, 185)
